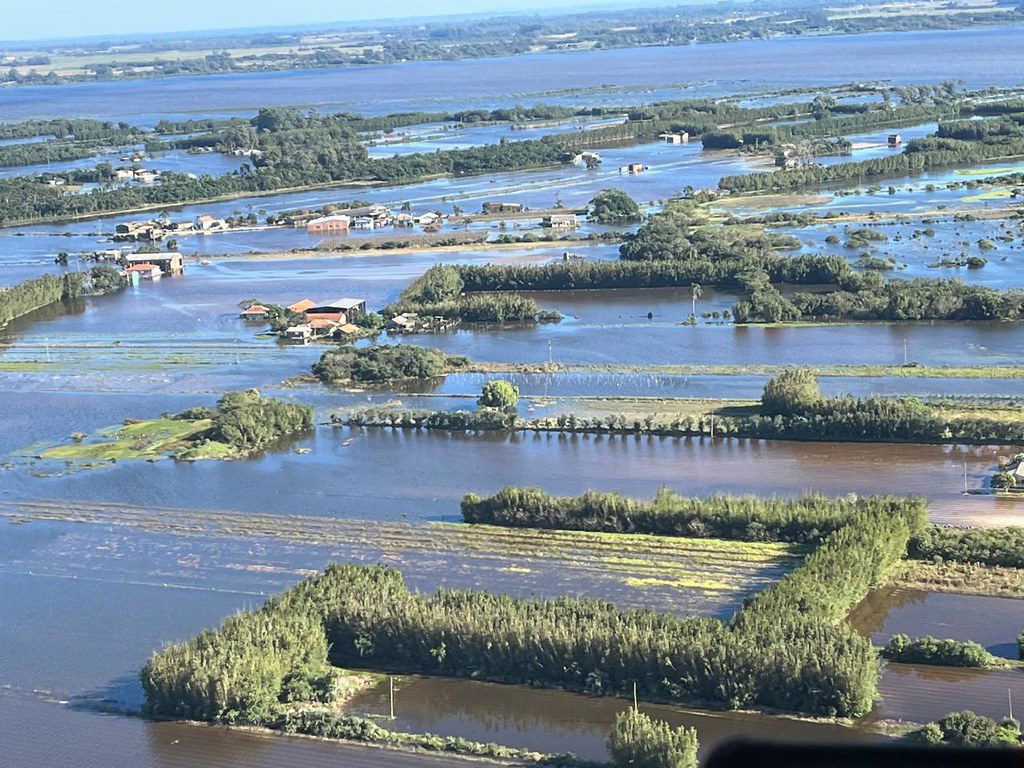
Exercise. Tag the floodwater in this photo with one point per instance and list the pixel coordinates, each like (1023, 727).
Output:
(91, 739)
(557, 721)
(365, 479)
(994, 622)
(981, 57)
(166, 549)
(921, 694)
(918, 248)
(133, 586)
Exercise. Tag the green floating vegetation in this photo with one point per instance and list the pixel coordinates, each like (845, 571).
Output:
(154, 438)
(241, 424)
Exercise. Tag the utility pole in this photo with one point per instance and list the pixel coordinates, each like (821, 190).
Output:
(965, 475)
(905, 361)
(391, 697)
(636, 706)
(1009, 700)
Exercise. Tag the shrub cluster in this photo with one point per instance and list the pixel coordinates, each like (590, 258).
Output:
(248, 421)
(439, 292)
(967, 729)
(383, 363)
(637, 741)
(931, 650)
(985, 546)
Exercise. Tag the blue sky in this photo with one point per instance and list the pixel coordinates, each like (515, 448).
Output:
(34, 19)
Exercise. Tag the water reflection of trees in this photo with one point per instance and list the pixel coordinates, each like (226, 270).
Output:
(870, 616)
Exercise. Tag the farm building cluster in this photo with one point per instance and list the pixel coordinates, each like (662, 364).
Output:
(312, 320)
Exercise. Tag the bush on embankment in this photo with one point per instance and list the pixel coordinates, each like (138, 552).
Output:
(637, 741)
(944, 652)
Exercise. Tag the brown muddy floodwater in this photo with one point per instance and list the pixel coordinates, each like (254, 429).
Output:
(994, 622)
(556, 721)
(391, 475)
(921, 693)
(43, 734)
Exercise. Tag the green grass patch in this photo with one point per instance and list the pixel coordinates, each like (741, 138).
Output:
(1000, 193)
(153, 438)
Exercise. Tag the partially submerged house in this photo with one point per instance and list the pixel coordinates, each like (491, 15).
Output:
(328, 225)
(143, 271)
(207, 223)
(676, 138)
(170, 263)
(895, 139)
(561, 221)
(300, 332)
(633, 168)
(340, 310)
(255, 312)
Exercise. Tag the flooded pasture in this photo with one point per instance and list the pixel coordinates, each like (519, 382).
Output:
(994, 622)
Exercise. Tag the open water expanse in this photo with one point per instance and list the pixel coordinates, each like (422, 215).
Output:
(981, 57)
(101, 567)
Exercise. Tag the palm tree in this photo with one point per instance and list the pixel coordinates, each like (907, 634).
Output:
(695, 293)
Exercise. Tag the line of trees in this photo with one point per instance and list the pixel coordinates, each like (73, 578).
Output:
(1003, 547)
(919, 155)
(327, 722)
(39, 292)
(792, 408)
(806, 520)
(33, 294)
(725, 273)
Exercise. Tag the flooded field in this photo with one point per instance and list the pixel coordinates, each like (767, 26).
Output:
(994, 622)
(918, 693)
(365, 479)
(557, 721)
(101, 567)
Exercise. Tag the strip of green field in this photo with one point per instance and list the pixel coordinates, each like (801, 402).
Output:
(150, 439)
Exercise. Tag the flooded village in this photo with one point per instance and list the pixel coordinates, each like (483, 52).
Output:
(742, 357)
